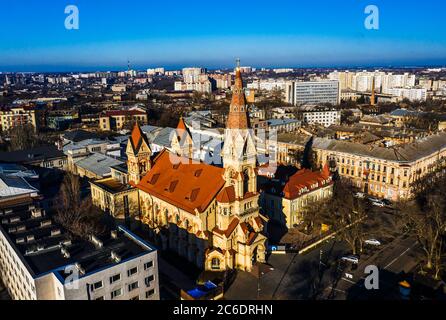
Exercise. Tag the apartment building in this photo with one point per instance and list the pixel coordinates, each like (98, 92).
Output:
(317, 92)
(285, 196)
(115, 120)
(19, 116)
(39, 261)
(323, 116)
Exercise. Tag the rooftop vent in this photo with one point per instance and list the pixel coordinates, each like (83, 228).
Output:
(36, 213)
(79, 267)
(55, 232)
(98, 243)
(115, 257)
(64, 252)
(45, 223)
(14, 219)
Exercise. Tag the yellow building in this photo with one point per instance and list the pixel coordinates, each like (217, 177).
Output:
(209, 215)
(383, 172)
(18, 116)
(286, 198)
(115, 120)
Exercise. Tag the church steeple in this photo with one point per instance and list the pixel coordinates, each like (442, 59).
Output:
(238, 115)
(138, 155)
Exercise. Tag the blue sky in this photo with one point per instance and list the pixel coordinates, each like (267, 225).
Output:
(176, 33)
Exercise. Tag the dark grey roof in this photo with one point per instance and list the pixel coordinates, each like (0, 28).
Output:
(79, 135)
(32, 155)
(42, 253)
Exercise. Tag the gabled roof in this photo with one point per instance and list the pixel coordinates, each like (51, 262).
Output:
(227, 195)
(195, 184)
(137, 138)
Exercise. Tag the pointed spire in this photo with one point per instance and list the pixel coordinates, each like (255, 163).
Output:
(137, 137)
(238, 117)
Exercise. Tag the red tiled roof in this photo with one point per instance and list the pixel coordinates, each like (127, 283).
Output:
(191, 191)
(304, 179)
(137, 137)
(226, 195)
(232, 226)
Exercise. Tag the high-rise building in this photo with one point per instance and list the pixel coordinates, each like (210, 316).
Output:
(316, 92)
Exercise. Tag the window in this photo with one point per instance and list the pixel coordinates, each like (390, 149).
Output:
(150, 293)
(148, 280)
(133, 286)
(115, 278)
(116, 293)
(148, 265)
(132, 271)
(97, 285)
(100, 298)
(215, 264)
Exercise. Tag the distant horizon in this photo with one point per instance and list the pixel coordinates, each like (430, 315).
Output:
(179, 67)
(303, 34)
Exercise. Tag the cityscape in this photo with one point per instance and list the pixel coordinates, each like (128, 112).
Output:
(243, 178)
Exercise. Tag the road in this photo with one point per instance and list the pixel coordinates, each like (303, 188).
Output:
(399, 256)
(315, 275)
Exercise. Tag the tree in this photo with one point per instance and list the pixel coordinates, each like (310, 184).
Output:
(345, 214)
(428, 223)
(74, 213)
(22, 137)
(426, 217)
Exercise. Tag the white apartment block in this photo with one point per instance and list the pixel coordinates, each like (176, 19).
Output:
(323, 117)
(413, 94)
(317, 92)
(192, 75)
(363, 81)
(38, 261)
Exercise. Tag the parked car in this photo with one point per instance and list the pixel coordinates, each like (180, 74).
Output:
(387, 202)
(373, 242)
(359, 195)
(351, 258)
(378, 203)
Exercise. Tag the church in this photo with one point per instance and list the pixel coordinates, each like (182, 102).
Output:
(205, 213)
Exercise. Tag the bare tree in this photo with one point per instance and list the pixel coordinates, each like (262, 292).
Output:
(74, 213)
(22, 137)
(428, 223)
(345, 214)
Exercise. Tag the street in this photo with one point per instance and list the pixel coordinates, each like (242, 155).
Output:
(317, 274)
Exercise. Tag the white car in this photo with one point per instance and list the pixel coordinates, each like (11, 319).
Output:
(351, 259)
(373, 242)
(359, 195)
(378, 203)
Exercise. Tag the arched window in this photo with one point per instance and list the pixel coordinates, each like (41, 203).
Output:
(215, 264)
(245, 181)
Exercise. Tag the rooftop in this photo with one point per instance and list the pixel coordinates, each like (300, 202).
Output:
(32, 155)
(404, 153)
(46, 247)
(99, 164)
